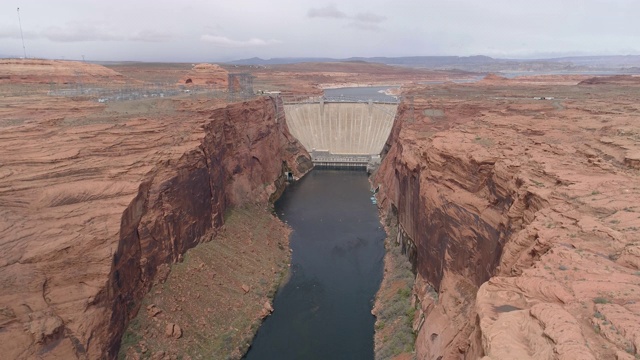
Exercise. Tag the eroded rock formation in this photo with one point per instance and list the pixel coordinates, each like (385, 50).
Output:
(74, 277)
(206, 74)
(242, 159)
(522, 220)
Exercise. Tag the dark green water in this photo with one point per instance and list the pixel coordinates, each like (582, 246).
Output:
(324, 310)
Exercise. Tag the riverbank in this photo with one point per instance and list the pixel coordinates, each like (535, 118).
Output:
(212, 303)
(394, 307)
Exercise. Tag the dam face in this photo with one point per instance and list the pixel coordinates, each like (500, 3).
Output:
(341, 133)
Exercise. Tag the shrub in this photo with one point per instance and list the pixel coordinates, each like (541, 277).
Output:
(598, 315)
(404, 292)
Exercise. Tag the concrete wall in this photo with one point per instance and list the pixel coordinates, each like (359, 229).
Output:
(341, 128)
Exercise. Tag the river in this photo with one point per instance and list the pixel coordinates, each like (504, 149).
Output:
(324, 310)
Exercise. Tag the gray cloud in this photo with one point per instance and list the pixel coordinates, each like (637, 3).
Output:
(224, 41)
(80, 32)
(7, 32)
(369, 17)
(367, 21)
(166, 31)
(13, 32)
(150, 36)
(364, 26)
(329, 11)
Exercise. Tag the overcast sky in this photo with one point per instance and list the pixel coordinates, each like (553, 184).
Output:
(200, 30)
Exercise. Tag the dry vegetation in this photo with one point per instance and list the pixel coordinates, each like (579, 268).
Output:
(217, 296)
(394, 308)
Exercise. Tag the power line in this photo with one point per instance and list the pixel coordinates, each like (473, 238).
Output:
(21, 35)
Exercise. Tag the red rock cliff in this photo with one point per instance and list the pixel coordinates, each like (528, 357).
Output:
(242, 159)
(508, 258)
(89, 216)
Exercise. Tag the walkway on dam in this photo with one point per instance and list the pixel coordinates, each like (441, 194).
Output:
(340, 128)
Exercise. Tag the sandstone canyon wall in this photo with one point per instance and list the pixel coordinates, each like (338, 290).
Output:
(241, 158)
(520, 217)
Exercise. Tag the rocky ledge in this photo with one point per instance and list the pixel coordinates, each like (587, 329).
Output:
(521, 217)
(95, 198)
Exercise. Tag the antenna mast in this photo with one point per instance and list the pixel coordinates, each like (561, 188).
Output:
(21, 35)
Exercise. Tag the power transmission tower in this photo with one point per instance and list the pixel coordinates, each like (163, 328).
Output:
(21, 35)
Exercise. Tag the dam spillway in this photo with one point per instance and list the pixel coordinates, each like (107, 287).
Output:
(341, 132)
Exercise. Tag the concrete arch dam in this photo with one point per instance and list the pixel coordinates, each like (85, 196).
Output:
(341, 133)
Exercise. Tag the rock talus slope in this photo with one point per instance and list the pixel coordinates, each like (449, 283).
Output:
(88, 215)
(521, 217)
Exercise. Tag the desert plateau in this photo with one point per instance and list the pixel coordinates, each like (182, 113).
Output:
(281, 181)
(515, 199)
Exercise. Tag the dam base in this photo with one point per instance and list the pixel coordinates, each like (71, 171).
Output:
(327, 160)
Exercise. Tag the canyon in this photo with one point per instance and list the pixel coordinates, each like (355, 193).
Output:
(517, 204)
(98, 198)
(516, 201)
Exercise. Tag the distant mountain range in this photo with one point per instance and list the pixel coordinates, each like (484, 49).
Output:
(408, 60)
(480, 63)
